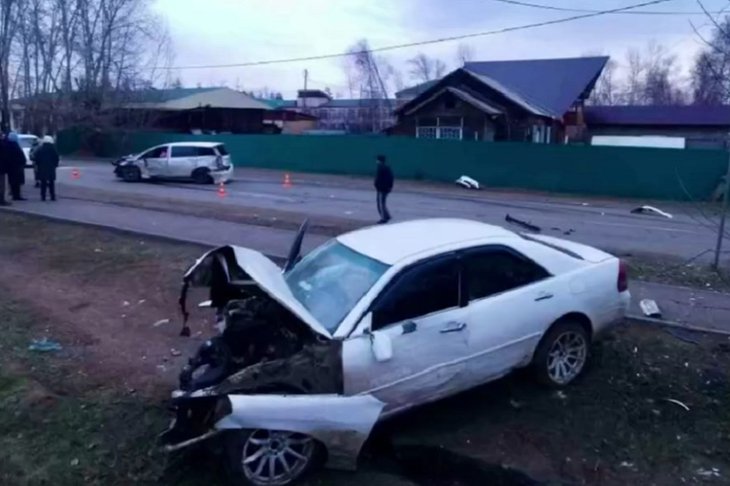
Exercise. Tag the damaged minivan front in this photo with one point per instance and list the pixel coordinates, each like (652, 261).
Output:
(271, 381)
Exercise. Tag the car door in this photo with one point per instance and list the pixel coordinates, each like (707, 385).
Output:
(155, 161)
(422, 314)
(183, 160)
(512, 301)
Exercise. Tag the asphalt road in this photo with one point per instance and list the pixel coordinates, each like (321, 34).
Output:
(604, 224)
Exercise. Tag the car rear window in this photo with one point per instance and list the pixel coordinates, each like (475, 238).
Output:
(222, 149)
(205, 151)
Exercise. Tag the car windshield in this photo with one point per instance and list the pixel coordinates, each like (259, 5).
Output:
(330, 280)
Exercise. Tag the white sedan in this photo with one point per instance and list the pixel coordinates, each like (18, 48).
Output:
(375, 322)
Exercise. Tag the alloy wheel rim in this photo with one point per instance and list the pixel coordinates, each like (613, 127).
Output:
(566, 357)
(272, 458)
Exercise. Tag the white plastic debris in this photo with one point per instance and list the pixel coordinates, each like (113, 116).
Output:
(677, 402)
(651, 210)
(468, 182)
(709, 473)
(650, 308)
(161, 322)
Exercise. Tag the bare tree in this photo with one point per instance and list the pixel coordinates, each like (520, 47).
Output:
(8, 23)
(425, 68)
(464, 54)
(711, 70)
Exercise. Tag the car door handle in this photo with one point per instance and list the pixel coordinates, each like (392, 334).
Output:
(453, 326)
(543, 296)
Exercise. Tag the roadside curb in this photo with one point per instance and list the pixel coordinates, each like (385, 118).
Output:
(664, 323)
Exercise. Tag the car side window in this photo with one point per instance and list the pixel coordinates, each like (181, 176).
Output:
(492, 271)
(205, 151)
(183, 151)
(418, 291)
(155, 153)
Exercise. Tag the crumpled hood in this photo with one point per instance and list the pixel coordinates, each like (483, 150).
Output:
(244, 266)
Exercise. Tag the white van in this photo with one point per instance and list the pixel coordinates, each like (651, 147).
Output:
(201, 162)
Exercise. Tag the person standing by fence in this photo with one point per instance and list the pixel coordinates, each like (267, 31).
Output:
(46, 161)
(15, 163)
(383, 186)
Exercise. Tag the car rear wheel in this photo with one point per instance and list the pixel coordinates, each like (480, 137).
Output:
(562, 354)
(202, 176)
(131, 174)
(270, 458)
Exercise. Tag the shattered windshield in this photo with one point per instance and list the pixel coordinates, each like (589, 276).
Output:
(330, 280)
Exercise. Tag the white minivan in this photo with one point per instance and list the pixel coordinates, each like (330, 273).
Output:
(201, 162)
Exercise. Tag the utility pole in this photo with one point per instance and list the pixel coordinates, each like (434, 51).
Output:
(723, 216)
(306, 82)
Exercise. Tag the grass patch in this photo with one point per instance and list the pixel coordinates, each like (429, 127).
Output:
(674, 271)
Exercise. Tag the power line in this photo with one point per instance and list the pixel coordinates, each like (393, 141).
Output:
(420, 43)
(583, 10)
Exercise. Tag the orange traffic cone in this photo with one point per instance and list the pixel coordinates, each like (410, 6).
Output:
(287, 181)
(222, 190)
(75, 174)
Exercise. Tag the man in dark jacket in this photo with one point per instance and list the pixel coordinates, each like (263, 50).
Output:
(383, 186)
(46, 161)
(4, 166)
(15, 165)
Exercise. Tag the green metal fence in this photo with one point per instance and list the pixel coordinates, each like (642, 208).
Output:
(609, 171)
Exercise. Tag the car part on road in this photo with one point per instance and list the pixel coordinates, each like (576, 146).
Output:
(651, 210)
(468, 183)
(562, 354)
(650, 308)
(524, 224)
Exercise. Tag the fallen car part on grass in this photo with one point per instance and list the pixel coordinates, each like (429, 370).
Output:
(677, 402)
(468, 183)
(650, 308)
(44, 345)
(524, 224)
(651, 210)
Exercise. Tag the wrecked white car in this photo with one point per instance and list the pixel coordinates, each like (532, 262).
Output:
(375, 322)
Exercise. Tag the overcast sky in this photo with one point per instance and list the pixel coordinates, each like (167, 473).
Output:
(208, 32)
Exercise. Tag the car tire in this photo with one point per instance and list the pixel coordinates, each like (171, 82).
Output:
(131, 174)
(202, 176)
(247, 444)
(562, 355)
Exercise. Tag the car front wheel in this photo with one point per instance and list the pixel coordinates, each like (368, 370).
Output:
(131, 174)
(270, 458)
(562, 354)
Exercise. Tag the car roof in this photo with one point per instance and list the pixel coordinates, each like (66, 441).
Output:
(392, 243)
(194, 144)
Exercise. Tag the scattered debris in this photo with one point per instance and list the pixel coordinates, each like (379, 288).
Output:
(141, 301)
(561, 394)
(161, 322)
(677, 402)
(651, 210)
(524, 224)
(468, 182)
(650, 308)
(709, 473)
(175, 352)
(75, 462)
(626, 464)
(44, 345)
(584, 204)
(125, 303)
(515, 404)
(97, 250)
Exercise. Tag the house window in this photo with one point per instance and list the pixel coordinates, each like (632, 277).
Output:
(450, 133)
(427, 132)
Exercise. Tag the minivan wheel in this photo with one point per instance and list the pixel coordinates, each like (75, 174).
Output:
(131, 174)
(562, 354)
(202, 176)
(270, 458)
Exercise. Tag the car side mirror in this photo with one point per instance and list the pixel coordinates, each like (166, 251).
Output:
(380, 342)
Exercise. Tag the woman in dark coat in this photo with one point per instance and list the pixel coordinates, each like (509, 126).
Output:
(46, 160)
(15, 165)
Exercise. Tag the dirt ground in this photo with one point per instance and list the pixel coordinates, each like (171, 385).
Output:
(88, 414)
